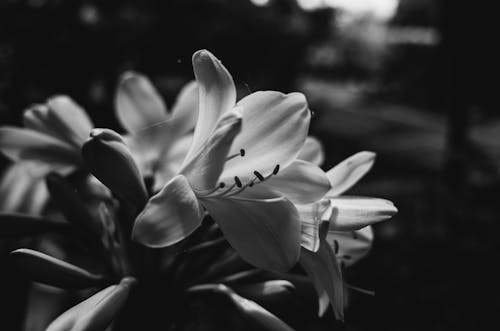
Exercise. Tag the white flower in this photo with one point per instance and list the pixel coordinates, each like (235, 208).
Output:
(158, 139)
(52, 137)
(242, 168)
(336, 231)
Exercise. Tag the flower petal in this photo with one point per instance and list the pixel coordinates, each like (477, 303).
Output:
(61, 118)
(37, 118)
(169, 216)
(96, 312)
(217, 95)
(350, 247)
(312, 151)
(138, 104)
(22, 189)
(354, 213)
(25, 144)
(70, 119)
(326, 276)
(185, 109)
(348, 172)
(274, 130)
(301, 182)
(266, 233)
(170, 161)
(205, 167)
(311, 217)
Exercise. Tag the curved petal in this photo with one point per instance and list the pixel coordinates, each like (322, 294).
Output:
(274, 130)
(217, 95)
(266, 233)
(350, 247)
(348, 172)
(205, 167)
(354, 213)
(148, 145)
(185, 110)
(61, 118)
(138, 104)
(25, 144)
(69, 119)
(312, 151)
(170, 161)
(21, 190)
(311, 217)
(301, 182)
(37, 118)
(169, 216)
(324, 271)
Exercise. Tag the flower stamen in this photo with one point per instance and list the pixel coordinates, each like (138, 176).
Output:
(230, 191)
(241, 153)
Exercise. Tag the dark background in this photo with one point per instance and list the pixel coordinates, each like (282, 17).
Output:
(427, 105)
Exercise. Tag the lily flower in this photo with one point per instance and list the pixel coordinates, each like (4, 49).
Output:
(236, 169)
(52, 137)
(336, 231)
(50, 141)
(157, 138)
(54, 133)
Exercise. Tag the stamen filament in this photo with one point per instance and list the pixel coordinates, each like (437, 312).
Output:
(241, 153)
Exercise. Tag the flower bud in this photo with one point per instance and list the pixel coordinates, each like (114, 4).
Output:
(109, 160)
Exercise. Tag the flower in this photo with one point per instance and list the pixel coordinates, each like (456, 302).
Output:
(238, 168)
(55, 132)
(52, 137)
(336, 230)
(158, 139)
(50, 141)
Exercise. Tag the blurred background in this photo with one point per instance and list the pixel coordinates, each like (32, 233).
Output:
(412, 80)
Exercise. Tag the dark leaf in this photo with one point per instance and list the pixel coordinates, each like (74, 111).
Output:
(253, 313)
(46, 269)
(96, 312)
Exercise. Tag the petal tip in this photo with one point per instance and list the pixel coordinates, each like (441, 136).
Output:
(202, 55)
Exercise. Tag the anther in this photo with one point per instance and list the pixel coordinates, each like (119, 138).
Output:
(222, 185)
(276, 169)
(250, 184)
(259, 175)
(237, 181)
(242, 152)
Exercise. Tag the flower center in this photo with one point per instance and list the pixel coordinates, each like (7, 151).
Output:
(224, 191)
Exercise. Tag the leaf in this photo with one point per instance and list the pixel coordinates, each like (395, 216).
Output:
(255, 314)
(18, 225)
(48, 270)
(96, 312)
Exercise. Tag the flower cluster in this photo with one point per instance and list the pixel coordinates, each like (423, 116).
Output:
(235, 180)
